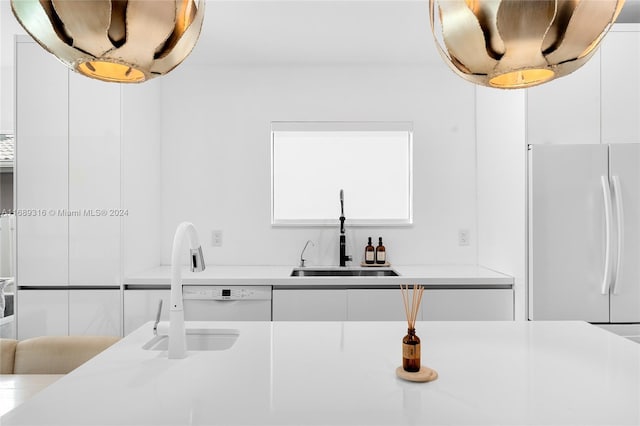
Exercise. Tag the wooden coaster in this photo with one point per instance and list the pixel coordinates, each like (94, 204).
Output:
(425, 374)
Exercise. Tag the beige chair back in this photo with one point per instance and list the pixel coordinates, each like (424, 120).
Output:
(54, 354)
(7, 355)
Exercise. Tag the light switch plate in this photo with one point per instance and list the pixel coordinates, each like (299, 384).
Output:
(463, 237)
(216, 238)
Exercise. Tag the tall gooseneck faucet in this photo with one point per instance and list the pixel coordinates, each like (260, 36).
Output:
(343, 243)
(177, 334)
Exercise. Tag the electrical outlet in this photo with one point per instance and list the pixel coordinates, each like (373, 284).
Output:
(216, 238)
(463, 237)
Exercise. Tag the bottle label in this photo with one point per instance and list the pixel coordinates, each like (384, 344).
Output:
(369, 256)
(411, 351)
(381, 257)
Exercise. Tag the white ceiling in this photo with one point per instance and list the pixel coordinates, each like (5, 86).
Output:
(315, 32)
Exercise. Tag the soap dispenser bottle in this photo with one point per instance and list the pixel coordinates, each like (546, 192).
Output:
(369, 254)
(381, 253)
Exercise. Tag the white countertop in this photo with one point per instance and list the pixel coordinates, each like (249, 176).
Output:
(312, 373)
(279, 276)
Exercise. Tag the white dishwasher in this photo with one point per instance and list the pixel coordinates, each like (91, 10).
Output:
(231, 303)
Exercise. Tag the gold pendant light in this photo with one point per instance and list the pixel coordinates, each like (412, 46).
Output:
(125, 41)
(512, 44)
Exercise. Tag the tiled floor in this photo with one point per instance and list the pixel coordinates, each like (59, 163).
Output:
(17, 388)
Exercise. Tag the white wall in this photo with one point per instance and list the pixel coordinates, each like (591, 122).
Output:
(502, 150)
(216, 160)
(566, 110)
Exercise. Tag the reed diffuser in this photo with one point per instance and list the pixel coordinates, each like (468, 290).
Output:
(411, 342)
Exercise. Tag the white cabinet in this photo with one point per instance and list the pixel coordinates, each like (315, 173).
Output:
(376, 305)
(42, 313)
(437, 305)
(598, 103)
(68, 227)
(60, 312)
(141, 176)
(483, 304)
(95, 312)
(41, 168)
(141, 306)
(621, 87)
(309, 305)
(94, 182)
(566, 110)
(68, 174)
(467, 305)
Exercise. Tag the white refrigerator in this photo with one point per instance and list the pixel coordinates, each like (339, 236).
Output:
(584, 233)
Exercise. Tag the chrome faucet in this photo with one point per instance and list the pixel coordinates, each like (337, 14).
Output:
(302, 259)
(177, 332)
(343, 243)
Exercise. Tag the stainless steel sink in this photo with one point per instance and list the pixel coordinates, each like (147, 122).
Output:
(198, 340)
(340, 272)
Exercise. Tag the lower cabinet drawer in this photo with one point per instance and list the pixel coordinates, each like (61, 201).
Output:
(376, 305)
(309, 305)
(465, 305)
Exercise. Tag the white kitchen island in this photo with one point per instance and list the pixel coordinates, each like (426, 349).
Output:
(342, 373)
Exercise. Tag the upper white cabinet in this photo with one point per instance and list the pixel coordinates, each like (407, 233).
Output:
(94, 181)
(41, 167)
(598, 103)
(68, 174)
(566, 110)
(621, 87)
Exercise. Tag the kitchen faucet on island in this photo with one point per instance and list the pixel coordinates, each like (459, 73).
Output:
(177, 332)
(344, 258)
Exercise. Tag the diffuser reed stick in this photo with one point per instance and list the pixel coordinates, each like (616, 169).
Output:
(411, 309)
(411, 342)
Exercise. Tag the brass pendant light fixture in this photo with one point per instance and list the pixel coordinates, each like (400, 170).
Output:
(513, 44)
(124, 41)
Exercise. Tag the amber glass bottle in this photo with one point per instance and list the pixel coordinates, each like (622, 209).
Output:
(411, 351)
(381, 253)
(369, 253)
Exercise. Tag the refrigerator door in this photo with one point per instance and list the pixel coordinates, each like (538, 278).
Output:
(567, 241)
(624, 169)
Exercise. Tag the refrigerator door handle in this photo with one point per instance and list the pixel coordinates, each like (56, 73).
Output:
(620, 229)
(607, 233)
